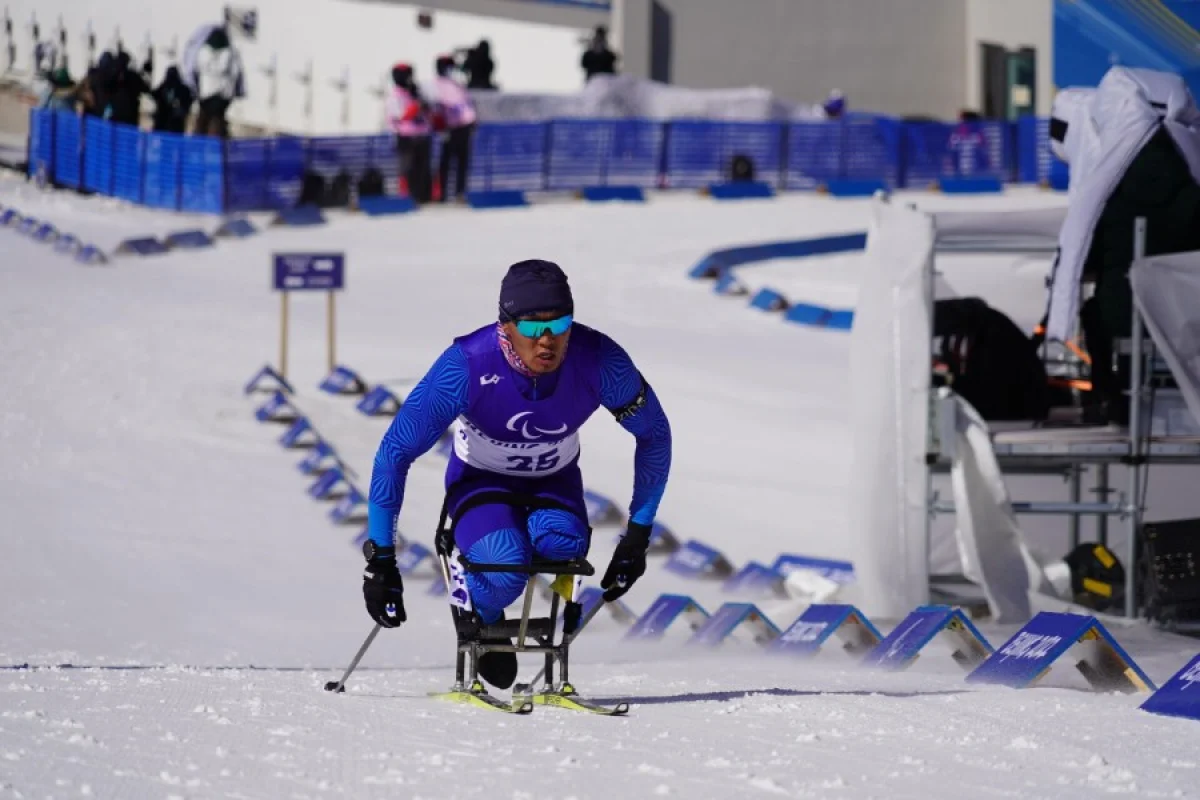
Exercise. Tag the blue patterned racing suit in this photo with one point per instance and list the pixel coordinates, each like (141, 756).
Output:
(520, 434)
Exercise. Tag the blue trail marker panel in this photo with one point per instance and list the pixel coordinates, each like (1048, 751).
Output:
(276, 409)
(662, 540)
(900, 648)
(663, 612)
(351, 508)
(294, 436)
(729, 618)
(1028, 655)
(600, 509)
(379, 402)
(755, 578)
(267, 379)
(322, 457)
(324, 485)
(697, 560)
(411, 556)
(1179, 696)
(592, 595)
(343, 380)
(819, 623)
(841, 572)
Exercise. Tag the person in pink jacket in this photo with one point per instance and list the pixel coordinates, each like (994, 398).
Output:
(454, 112)
(408, 118)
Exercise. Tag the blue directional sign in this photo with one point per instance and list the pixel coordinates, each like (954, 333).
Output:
(837, 571)
(310, 271)
(1028, 655)
(1179, 696)
(728, 618)
(900, 648)
(822, 621)
(754, 578)
(410, 557)
(664, 611)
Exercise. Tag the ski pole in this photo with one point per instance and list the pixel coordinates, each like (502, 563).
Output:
(582, 623)
(340, 686)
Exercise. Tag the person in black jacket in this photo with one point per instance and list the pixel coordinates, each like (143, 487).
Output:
(478, 66)
(173, 103)
(1158, 186)
(128, 87)
(598, 59)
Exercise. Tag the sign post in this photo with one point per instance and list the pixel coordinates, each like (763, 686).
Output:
(308, 272)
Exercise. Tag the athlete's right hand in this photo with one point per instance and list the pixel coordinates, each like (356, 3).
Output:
(383, 588)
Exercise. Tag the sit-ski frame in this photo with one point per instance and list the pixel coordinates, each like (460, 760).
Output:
(470, 631)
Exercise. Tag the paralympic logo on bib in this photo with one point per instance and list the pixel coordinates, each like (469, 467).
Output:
(524, 428)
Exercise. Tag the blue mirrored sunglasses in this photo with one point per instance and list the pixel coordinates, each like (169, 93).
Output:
(536, 328)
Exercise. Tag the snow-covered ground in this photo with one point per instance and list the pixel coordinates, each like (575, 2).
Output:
(159, 540)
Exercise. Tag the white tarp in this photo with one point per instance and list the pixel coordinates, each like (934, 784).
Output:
(627, 97)
(1167, 292)
(990, 544)
(890, 384)
(1106, 130)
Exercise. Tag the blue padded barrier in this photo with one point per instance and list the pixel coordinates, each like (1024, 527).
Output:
(853, 149)
(129, 158)
(98, 151)
(509, 155)
(585, 153)
(160, 183)
(41, 143)
(246, 174)
(202, 175)
(698, 152)
(68, 149)
(286, 158)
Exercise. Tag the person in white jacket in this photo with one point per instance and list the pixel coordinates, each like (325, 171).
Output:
(217, 76)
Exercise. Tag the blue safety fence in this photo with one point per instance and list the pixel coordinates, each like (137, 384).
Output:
(191, 173)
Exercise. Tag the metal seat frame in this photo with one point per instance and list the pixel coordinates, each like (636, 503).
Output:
(533, 634)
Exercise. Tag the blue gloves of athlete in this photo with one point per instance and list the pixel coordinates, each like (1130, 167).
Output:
(383, 589)
(628, 562)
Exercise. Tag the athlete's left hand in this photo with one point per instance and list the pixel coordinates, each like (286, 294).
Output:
(628, 562)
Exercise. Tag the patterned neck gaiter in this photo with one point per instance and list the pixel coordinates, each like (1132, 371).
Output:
(510, 352)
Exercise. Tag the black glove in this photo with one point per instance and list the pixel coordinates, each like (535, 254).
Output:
(628, 562)
(383, 589)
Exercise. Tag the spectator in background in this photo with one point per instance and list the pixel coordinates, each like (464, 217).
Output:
(218, 73)
(598, 59)
(127, 88)
(454, 113)
(478, 66)
(967, 146)
(172, 103)
(408, 118)
(834, 106)
(96, 89)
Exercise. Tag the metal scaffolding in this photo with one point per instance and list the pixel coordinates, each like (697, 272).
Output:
(1068, 451)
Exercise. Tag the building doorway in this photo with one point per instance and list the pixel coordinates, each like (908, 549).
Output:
(1009, 77)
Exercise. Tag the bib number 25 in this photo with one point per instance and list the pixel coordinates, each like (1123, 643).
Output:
(544, 461)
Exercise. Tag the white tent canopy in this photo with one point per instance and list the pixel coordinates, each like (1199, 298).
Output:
(890, 385)
(1166, 290)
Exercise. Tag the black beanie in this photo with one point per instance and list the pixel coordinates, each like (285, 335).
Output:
(534, 286)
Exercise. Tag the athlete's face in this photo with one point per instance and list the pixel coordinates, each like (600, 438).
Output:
(543, 353)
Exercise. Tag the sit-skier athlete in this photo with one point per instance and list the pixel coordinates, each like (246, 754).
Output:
(517, 396)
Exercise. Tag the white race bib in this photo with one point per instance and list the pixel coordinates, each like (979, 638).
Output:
(528, 459)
